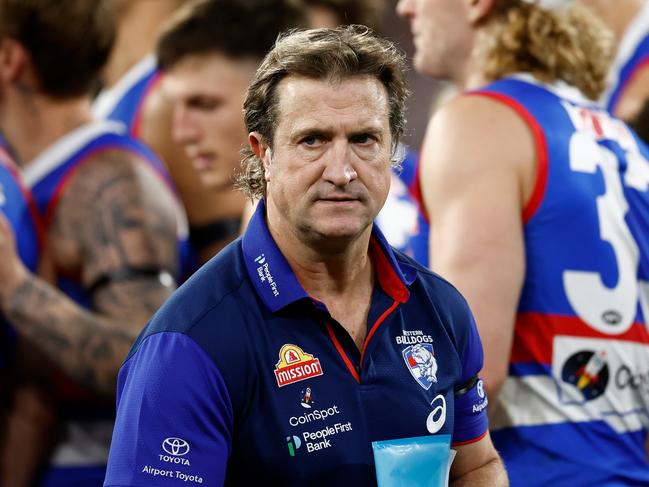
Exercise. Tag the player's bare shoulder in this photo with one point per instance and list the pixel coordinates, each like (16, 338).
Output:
(115, 210)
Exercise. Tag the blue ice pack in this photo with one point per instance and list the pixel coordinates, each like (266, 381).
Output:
(413, 462)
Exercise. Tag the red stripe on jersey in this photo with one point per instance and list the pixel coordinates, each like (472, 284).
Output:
(136, 126)
(10, 165)
(63, 182)
(415, 190)
(468, 442)
(535, 332)
(541, 151)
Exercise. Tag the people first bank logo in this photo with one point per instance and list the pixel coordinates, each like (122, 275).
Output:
(294, 365)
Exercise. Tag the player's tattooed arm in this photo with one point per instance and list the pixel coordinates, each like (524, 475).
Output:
(115, 227)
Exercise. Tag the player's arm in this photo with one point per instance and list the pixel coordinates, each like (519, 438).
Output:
(115, 221)
(475, 157)
(634, 96)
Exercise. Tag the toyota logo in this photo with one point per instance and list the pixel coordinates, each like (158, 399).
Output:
(175, 446)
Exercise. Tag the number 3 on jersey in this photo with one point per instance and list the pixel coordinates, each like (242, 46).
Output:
(609, 310)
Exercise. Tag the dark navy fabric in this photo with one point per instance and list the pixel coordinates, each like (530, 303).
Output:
(242, 377)
(574, 408)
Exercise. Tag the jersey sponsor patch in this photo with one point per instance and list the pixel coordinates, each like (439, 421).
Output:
(420, 359)
(294, 365)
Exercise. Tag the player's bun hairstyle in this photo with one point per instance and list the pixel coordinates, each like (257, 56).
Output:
(68, 41)
(568, 43)
(323, 54)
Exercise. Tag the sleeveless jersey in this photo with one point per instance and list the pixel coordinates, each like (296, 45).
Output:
(402, 219)
(18, 208)
(80, 459)
(632, 55)
(574, 408)
(123, 102)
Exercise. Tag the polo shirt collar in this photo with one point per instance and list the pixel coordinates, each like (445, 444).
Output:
(277, 285)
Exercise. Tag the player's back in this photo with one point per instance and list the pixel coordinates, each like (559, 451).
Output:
(574, 407)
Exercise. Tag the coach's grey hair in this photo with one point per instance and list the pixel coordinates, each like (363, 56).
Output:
(323, 54)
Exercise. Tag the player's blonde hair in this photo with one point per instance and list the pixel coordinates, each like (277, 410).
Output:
(568, 43)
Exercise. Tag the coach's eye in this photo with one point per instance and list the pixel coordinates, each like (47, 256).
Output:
(312, 141)
(363, 139)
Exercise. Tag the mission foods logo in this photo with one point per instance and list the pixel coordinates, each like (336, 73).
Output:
(294, 365)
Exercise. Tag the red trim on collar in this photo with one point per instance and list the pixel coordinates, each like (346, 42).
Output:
(342, 353)
(388, 278)
(375, 326)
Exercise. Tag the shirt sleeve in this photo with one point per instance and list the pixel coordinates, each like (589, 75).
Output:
(174, 417)
(471, 421)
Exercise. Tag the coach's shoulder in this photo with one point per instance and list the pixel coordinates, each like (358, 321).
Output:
(211, 297)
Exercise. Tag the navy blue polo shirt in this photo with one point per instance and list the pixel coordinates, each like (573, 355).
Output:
(243, 377)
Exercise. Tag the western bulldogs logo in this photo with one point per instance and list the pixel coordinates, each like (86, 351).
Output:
(421, 362)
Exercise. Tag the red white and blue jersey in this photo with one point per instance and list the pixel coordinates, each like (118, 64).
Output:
(18, 208)
(48, 176)
(574, 409)
(244, 378)
(80, 458)
(402, 219)
(124, 101)
(632, 56)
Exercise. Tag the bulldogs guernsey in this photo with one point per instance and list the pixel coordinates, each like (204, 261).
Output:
(632, 55)
(243, 378)
(402, 219)
(18, 207)
(124, 101)
(80, 459)
(574, 409)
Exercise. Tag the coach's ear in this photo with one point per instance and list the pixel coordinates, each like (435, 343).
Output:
(478, 10)
(261, 150)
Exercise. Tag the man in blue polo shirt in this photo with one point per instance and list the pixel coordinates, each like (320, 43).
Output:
(283, 358)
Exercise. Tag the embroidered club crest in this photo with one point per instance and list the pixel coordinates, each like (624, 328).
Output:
(420, 359)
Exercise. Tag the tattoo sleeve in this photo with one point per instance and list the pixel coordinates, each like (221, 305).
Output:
(115, 214)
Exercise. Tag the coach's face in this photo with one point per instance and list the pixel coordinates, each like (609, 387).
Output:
(328, 171)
